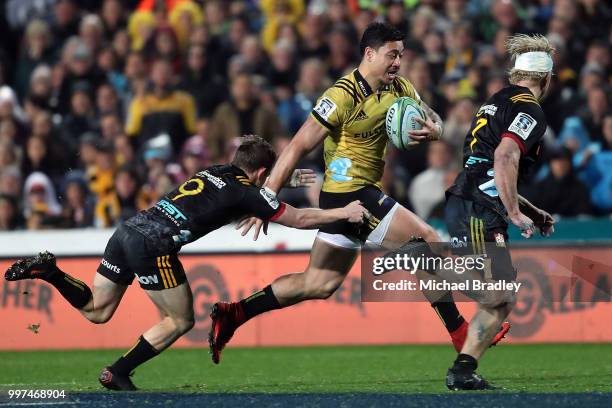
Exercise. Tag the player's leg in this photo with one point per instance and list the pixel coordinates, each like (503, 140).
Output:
(106, 296)
(489, 236)
(97, 305)
(167, 286)
(328, 266)
(403, 226)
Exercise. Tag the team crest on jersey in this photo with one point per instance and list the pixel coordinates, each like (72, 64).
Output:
(522, 125)
(325, 108)
(270, 198)
(499, 240)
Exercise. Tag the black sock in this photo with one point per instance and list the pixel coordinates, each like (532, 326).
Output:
(259, 302)
(448, 312)
(141, 352)
(465, 362)
(76, 292)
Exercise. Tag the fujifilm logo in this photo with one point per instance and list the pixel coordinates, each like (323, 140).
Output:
(110, 266)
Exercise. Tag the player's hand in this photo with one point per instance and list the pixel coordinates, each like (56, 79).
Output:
(524, 223)
(430, 131)
(247, 223)
(546, 223)
(356, 213)
(301, 178)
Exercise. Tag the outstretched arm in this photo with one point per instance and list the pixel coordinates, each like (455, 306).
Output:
(310, 218)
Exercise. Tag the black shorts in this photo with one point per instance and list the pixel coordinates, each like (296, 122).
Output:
(478, 230)
(374, 200)
(128, 255)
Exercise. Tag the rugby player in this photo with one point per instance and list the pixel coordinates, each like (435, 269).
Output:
(146, 246)
(349, 119)
(503, 143)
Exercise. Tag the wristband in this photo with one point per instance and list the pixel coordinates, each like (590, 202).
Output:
(269, 191)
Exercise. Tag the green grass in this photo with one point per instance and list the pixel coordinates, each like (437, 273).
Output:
(388, 369)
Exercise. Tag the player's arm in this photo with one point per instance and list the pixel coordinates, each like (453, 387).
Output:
(307, 138)
(506, 163)
(526, 128)
(310, 218)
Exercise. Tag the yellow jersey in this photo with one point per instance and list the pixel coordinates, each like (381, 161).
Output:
(354, 115)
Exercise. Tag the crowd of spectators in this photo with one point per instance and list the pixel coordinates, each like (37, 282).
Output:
(106, 105)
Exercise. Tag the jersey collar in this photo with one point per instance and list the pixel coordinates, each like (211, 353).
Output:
(366, 90)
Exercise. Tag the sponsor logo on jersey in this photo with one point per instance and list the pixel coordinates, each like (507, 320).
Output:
(325, 108)
(457, 242)
(339, 169)
(171, 211)
(110, 266)
(148, 280)
(361, 116)
(270, 198)
(363, 87)
(475, 159)
(488, 110)
(372, 133)
(522, 125)
(216, 181)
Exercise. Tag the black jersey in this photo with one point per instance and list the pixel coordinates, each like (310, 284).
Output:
(210, 199)
(512, 112)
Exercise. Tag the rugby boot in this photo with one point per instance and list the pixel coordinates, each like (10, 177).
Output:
(226, 318)
(115, 382)
(39, 266)
(466, 380)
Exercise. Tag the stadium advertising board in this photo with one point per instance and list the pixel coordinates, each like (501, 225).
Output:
(554, 305)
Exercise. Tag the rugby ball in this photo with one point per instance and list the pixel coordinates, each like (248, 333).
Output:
(400, 120)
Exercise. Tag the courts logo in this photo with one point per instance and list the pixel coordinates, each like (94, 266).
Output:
(110, 266)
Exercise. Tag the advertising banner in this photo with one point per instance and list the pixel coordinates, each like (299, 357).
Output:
(564, 297)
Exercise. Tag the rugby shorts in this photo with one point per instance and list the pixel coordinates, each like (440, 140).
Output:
(350, 235)
(128, 256)
(478, 230)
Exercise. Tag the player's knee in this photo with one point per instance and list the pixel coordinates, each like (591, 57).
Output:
(326, 289)
(99, 317)
(500, 299)
(183, 324)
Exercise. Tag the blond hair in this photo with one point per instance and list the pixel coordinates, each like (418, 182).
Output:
(522, 43)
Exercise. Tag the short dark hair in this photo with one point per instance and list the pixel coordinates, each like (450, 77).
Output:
(377, 34)
(254, 153)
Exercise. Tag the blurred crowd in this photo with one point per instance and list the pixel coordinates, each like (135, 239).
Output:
(106, 105)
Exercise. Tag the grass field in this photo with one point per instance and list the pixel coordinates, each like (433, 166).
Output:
(391, 370)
